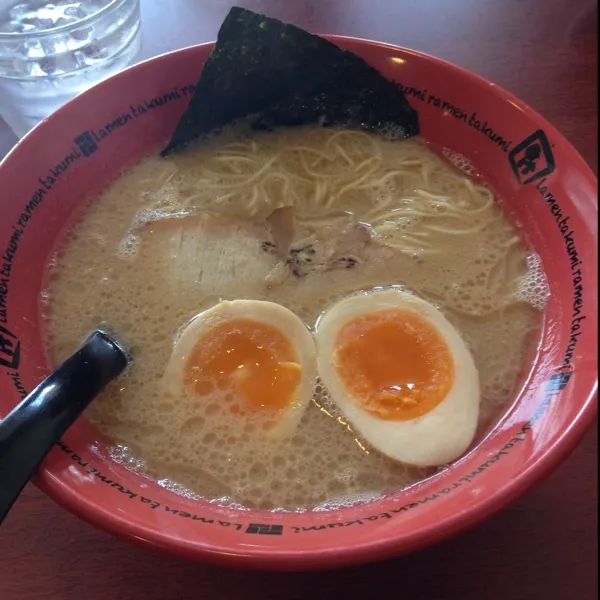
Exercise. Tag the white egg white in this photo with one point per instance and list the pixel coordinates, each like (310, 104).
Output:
(285, 420)
(434, 439)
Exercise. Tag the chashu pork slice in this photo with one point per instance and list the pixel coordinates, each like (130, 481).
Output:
(215, 255)
(210, 254)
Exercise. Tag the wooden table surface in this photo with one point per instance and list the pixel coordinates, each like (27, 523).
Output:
(544, 547)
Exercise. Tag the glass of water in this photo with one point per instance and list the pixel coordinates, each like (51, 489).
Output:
(51, 50)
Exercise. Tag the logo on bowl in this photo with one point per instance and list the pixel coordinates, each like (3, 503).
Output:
(86, 143)
(559, 381)
(264, 529)
(10, 349)
(532, 159)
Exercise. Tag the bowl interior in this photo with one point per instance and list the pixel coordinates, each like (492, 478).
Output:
(543, 184)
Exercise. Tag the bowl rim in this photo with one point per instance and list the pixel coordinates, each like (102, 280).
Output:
(337, 556)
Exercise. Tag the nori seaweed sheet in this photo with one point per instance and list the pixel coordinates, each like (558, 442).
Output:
(272, 74)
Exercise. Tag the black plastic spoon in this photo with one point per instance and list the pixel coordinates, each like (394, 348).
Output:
(32, 428)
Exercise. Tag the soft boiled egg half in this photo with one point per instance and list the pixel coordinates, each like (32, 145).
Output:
(255, 357)
(401, 374)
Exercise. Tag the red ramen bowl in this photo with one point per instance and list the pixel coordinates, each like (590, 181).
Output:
(544, 185)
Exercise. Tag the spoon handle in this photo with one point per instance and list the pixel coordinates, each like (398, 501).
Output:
(32, 428)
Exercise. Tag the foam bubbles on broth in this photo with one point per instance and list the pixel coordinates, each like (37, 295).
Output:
(436, 233)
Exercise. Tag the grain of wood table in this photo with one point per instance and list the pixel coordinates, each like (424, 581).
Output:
(544, 547)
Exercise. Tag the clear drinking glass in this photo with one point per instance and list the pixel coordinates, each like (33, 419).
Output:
(51, 51)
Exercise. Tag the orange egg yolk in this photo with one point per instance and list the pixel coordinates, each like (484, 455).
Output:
(394, 364)
(252, 358)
